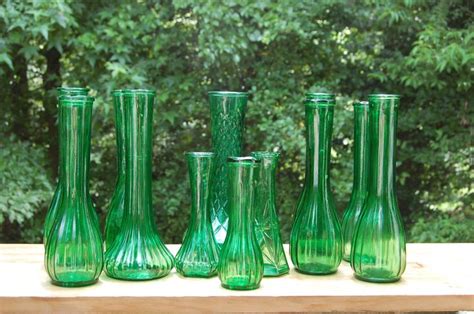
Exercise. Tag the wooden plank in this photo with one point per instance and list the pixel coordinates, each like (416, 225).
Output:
(439, 277)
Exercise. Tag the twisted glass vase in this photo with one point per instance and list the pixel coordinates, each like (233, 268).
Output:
(241, 262)
(198, 256)
(115, 208)
(137, 253)
(359, 185)
(267, 227)
(227, 126)
(378, 247)
(316, 239)
(54, 205)
(73, 251)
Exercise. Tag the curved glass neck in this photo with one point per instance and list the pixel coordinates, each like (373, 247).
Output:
(382, 125)
(138, 140)
(240, 197)
(264, 176)
(199, 166)
(361, 149)
(319, 120)
(74, 148)
(119, 108)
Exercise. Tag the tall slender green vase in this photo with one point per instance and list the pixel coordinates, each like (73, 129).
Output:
(361, 165)
(378, 247)
(267, 227)
(198, 256)
(115, 208)
(227, 126)
(241, 262)
(137, 253)
(54, 205)
(73, 251)
(316, 239)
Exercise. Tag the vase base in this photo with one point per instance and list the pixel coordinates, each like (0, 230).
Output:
(316, 273)
(74, 284)
(377, 280)
(231, 287)
(272, 271)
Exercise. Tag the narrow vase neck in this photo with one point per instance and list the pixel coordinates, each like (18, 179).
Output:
(264, 174)
(241, 198)
(319, 120)
(74, 141)
(138, 140)
(119, 108)
(199, 176)
(361, 149)
(383, 125)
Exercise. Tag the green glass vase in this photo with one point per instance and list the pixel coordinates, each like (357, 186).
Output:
(73, 252)
(54, 205)
(316, 239)
(267, 227)
(361, 165)
(378, 246)
(115, 208)
(227, 126)
(137, 253)
(198, 256)
(241, 262)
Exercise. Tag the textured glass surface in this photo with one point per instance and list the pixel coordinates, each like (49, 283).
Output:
(73, 252)
(227, 125)
(378, 247)
(198, 256)
(267, 227)
(359, 185)
(241, 262)
(115, 208)
(316, 239)
(137, 252)
(53, 207)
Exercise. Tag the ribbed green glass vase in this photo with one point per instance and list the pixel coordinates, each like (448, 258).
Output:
(316, 239)
(227, 127)
(361, 165)
(378, 247)
(53, 207)
(115, 208)
(73, 251)
(198, 256)
(241, 262)
(267, 227)
(137, 253)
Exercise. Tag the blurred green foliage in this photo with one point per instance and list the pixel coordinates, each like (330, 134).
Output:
(276, 50)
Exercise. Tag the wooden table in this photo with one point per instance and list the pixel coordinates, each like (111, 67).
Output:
(439, 277)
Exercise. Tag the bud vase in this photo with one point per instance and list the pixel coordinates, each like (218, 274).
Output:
(198, 255)
(73, 251)
(359, 185)
(378, 247)
(241, 262)
(114, 217)
(137, 253)
(316, 239)
(267, 227)
(227, 125)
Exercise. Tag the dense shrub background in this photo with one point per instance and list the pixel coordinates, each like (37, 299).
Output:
(276, 50)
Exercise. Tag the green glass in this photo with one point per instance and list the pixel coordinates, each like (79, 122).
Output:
(54, 205)
(137, 253)
(267, 227)
(198, 256)
(316, 239)
(227, 126)
(115, 209)
(361, 165)
(378, 247)
(241, 262)
(73, 252)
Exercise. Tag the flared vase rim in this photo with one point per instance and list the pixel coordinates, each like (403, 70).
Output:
(75, 99)
(228, 93)
(259, 154)
(200, 154)
(361, 103)
(133, 91)
(316, 94)
(315, 103)
(242, 161)
(384, 96)
(73, 89)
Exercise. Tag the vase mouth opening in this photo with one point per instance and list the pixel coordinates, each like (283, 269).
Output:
(67, 100)
(384, 96)
(316, 103)
(228, 94)
(361, 103)
(200, 154)
(82, 90)
(259, 155)
(133, 91)
(242, 161)
(319, 95)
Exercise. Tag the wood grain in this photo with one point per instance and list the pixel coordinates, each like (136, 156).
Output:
(439, 277)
